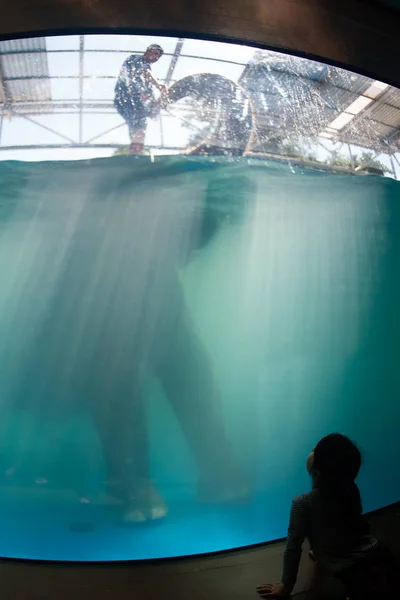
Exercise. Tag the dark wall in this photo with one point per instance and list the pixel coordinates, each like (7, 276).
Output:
(352, 32)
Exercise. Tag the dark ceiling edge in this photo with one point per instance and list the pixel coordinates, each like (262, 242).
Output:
(355, 34)
(377, 4)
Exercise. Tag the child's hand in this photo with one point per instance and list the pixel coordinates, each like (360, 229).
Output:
(272, 590)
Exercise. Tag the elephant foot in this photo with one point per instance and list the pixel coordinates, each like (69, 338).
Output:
(147, 504)
(235, 491)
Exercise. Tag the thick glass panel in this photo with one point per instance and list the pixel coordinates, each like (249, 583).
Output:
(199, 264)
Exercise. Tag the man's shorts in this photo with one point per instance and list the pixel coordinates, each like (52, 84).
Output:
(132, 111)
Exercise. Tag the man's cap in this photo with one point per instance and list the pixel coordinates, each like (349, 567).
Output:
(156, 47)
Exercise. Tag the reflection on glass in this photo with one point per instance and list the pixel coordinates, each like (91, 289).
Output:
(195, 288)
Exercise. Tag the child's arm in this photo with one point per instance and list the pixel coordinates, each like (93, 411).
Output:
(296, 535)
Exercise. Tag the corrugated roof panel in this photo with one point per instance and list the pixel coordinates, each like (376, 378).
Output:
(300, 91)
(391, 96)
(305, 119)
(384, 114)
(23, 45)
(34, 90)
(26, 58)
(286, 63)
(25, 65)
(381, 130)
(363, 130)
(19, 68)
(336, 98)
(349, 81)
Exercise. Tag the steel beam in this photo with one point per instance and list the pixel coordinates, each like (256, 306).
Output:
(5, 92)
(74, 145)
(81, 63)
(174, 60)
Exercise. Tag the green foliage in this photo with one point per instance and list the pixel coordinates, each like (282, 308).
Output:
(337, 159)
(121, 152)
(366, 162)
(301, 151)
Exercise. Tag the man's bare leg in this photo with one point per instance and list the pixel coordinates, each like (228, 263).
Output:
(137, 141)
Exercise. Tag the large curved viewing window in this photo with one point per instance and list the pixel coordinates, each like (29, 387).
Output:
(199, 257)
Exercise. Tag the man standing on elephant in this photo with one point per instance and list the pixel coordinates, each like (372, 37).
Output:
(134, 97)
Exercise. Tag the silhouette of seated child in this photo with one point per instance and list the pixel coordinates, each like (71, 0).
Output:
(330, 517)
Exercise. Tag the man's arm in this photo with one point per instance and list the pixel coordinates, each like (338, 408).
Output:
(151, 79)
(135, 70)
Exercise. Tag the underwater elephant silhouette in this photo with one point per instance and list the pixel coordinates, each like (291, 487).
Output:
(117, 312)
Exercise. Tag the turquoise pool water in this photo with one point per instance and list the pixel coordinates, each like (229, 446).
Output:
(194, 322)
